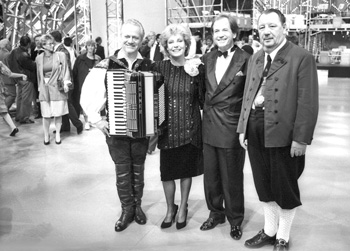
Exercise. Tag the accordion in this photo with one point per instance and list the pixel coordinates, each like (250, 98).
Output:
(136, 103)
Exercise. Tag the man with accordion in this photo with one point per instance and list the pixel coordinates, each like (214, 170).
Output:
(127, 151)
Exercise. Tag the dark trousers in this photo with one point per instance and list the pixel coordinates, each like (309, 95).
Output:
(223, 182)
(129, 155)
(11, 98)
(25, 97)
(72, 115)
(275, 172)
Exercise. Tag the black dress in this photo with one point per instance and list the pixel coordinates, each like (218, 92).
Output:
(181, 153)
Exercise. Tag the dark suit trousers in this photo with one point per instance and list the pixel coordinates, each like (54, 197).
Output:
(25, 97)
(72, 115)
(223, 182)
(275, 172)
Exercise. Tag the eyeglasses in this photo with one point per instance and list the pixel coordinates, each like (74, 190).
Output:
(48, 44)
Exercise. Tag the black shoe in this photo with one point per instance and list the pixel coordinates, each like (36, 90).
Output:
(259, 240)
(14, 131)
(140, 216)
(27, 121)
(210, 223)
(281, 245)
(236, 232)
(183, 224)
(125, 219)
(168, 224)
(58, 142)
(38, 116)
(80, 129)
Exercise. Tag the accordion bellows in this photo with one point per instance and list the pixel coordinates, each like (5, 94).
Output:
(136, 103)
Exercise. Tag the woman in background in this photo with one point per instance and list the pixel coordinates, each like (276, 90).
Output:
(82, 66)
(181, 142)
(53, 81)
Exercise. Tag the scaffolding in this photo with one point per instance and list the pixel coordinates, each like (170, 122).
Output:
(311, 18)
(198, 14)
(114, 10)
(33, 17)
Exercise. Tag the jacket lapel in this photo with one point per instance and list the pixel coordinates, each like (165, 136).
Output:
(279, 60)
(211, 71)
(260, 64)
(235, 65)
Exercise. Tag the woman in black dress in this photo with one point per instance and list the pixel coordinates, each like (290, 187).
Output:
(180, 144)
(82, 66)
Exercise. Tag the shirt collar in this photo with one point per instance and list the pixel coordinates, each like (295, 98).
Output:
(275, 51)
(121, 55)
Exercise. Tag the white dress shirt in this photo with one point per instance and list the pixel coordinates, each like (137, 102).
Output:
(222, 64)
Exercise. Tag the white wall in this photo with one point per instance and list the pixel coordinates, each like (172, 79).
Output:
(151, 13)
(99, 21)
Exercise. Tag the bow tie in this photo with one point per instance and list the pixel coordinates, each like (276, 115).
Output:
(225, 54)
(220, 53)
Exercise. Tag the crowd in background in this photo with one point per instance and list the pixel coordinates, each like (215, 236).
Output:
(20, 79)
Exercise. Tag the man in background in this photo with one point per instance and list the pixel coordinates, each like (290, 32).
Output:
(72, 115)
(19, 61)
(100, 50)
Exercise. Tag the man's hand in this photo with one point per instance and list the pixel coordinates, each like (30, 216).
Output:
(103, 126)
(297, 149)
(243, 141)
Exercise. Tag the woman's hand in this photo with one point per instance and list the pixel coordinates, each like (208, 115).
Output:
(65, 88)
(24, 77)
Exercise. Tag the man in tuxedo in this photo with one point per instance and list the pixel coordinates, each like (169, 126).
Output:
(100, 50)
(225, 71)
(152, 49)
(277, 122)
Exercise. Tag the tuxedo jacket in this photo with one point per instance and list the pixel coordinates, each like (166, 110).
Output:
(223, 100)
(291, 96)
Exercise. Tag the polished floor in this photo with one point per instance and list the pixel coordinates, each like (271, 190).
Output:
(63, 197)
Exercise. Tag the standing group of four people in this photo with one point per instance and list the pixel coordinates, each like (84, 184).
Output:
(267, 104)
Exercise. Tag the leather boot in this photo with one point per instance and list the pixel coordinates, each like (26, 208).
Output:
(138, 184)
(125, 192)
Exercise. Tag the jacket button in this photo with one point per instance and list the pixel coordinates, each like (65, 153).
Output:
(276, 111)
(276, 101)
(276, 78)
(276, 123)
(276, 89)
